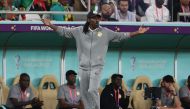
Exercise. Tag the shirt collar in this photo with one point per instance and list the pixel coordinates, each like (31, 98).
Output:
(93, 30)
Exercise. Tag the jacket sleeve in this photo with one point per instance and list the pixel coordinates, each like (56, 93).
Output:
(123, 101)
(67, 32)
(105, 100)
(117, 36)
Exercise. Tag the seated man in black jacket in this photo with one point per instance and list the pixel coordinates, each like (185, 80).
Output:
(112, 96)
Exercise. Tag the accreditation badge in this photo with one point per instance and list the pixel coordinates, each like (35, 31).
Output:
(78, 93)
(99, 34)
(119, 96)
(27, 95)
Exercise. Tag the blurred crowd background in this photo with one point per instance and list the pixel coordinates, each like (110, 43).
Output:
(111, 10)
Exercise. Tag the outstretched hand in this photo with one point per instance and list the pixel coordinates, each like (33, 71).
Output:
(143, 29)
(46, 22)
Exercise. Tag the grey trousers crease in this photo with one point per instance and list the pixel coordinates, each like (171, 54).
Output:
(89, 84)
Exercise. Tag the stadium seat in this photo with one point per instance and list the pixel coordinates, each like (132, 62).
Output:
(4, 90)
(137, 100)
(100, 89)
(48, 91)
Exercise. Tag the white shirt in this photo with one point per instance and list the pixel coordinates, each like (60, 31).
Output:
(154, 14)
(129, 17)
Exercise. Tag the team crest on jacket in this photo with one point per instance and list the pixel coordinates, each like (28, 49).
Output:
(78, 93)
(99, 34)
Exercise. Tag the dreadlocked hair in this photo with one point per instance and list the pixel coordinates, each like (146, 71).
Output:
(86, 26)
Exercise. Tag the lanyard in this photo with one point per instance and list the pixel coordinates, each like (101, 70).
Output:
(157, 14)
(23, 95)
(73, 97)
(116, 96)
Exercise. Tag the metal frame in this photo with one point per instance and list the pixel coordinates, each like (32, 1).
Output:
(182, 14)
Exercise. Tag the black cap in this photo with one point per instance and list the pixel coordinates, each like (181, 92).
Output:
(92, 14)
(69, 72)
(168, 79)
(116, 75)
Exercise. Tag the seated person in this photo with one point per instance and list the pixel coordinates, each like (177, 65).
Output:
(157, 12)
(58, 6)
(21, 95)
(112, 96)
(106, 12)
(2, 7)
(152, 2)
(68, 94)
(123, 13)
(169, 98)
(61, 5)
(182, 6)
(9, 6)
(184, 94)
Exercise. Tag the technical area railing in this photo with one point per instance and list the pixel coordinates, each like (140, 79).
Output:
(182, 14)
(44, 12)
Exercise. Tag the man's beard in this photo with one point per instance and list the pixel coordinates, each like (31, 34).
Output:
(105, 16)
(123, 12)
